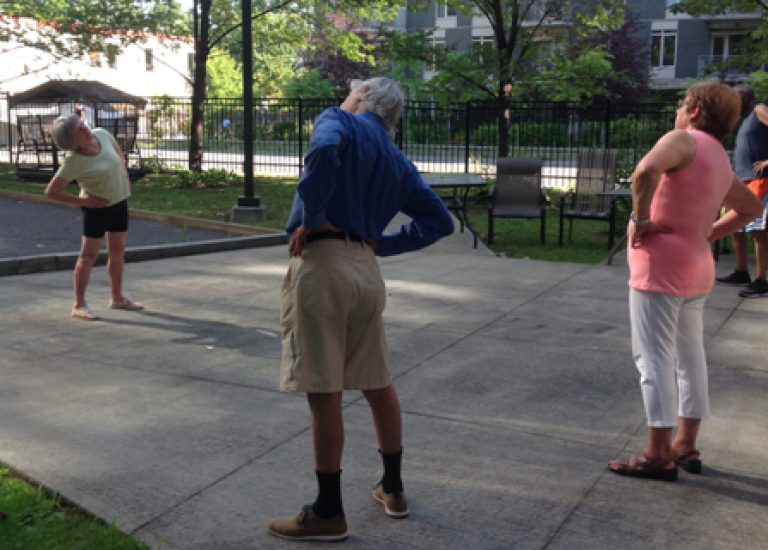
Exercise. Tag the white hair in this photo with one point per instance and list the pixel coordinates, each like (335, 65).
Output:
(63, 132)
(383, 97)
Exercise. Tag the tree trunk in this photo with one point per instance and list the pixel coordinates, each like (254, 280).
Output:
(199, 87)
(504, 119)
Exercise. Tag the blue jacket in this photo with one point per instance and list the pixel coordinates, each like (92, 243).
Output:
(358, 180)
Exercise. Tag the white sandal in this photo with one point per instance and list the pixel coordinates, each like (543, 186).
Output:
(127, 304)
(85, 313)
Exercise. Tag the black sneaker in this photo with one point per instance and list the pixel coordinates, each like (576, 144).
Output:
(737, 278)
(758, 289)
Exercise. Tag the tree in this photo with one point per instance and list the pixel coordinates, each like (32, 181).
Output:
(528, 53)
(225, 76)
(276, 22)
(76, 29)
(335, 66)
(753, 53)
(309, 83)
(629, 78)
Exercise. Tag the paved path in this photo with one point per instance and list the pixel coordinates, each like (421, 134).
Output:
(31, 229)
(516, 382)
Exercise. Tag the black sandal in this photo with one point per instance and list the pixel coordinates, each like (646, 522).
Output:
(690, 465)
(646, 468)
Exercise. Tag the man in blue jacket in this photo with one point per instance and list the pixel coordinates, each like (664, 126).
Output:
(355, 181)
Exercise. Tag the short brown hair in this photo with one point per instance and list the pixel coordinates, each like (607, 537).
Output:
(720, 108)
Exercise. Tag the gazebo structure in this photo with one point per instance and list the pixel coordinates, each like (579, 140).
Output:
(99, 105)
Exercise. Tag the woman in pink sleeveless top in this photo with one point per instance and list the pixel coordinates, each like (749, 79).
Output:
(677, 191)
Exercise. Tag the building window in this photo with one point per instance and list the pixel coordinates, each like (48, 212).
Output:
(149, 60)
(480, 42)
(191, 64)
(437, 42)
(444, 10)
(663, 48)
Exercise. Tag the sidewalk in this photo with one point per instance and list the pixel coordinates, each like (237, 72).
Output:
(517, 388)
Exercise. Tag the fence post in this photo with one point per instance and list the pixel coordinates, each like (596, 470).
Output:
(301, 138)
(466, 137)
(10, 129)
(608, 125)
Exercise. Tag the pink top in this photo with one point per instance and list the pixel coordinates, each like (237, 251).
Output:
(688, 201)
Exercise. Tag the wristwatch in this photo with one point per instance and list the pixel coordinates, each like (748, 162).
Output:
(638, 222)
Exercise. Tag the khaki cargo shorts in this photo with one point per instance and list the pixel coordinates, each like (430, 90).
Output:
(331, 310)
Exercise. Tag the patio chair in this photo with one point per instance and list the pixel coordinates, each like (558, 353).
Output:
(34, 136)
(124, 130)
(517, 193)
(596, 173)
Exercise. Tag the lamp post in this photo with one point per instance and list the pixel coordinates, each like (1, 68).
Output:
(249, 207)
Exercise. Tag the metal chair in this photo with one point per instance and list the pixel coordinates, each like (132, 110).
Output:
(34, 133)
(596, 173)
(124, 130)
(517, 193)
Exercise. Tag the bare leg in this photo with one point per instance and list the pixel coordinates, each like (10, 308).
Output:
(761, 253)
(327, 430)
(685, 440)
(659, 443)
(89, 253)
(387, 418)
(115, 264)
(740, 250)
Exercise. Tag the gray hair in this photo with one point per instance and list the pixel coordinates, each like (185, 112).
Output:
(383, 98)
(63, 132)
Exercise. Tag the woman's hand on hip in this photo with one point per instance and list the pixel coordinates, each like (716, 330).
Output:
(89, 201)
(639, 230)
(759, 166)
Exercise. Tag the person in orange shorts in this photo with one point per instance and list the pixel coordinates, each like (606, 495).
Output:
(751, 166)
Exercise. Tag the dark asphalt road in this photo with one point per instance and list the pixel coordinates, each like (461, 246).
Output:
(32, 229)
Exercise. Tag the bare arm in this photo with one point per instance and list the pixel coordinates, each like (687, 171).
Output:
(671, 153)
(745, 207)
(761, 112)
(122, 160)
(55, 191)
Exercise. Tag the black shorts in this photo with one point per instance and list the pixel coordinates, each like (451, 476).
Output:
(112, 219)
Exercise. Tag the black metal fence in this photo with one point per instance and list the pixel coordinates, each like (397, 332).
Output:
(460, 137)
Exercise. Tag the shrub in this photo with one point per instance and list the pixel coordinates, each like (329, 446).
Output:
(285, 130)
(486, 134)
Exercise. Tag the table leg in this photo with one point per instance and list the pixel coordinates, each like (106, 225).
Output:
(456, 209)
(616, 248)
(466, 215)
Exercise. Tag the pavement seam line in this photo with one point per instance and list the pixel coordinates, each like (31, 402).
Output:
(588, 492)
(227, 475)
(478, 329)
(511, 428)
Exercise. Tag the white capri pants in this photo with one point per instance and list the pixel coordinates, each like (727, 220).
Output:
(668, 348)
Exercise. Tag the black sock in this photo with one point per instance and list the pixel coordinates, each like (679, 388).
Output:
(391, 481)
(328, 503)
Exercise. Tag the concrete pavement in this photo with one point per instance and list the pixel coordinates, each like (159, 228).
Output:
(516, 382)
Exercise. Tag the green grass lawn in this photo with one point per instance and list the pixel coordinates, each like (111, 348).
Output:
(30, 519)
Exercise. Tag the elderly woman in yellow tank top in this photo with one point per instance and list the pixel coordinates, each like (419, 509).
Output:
(95, 160)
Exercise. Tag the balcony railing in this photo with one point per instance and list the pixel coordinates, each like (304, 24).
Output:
(707, 67)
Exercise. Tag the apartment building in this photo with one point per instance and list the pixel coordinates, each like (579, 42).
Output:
(681, 46)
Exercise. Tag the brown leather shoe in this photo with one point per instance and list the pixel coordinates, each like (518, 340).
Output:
(307, 526)
(395, 504)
